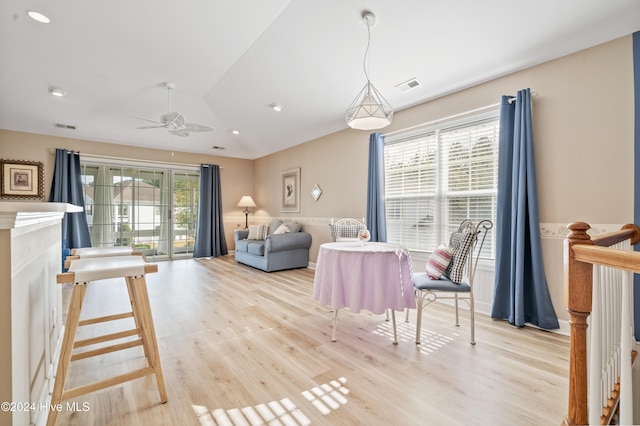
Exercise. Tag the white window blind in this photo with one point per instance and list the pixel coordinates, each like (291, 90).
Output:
(436, 179)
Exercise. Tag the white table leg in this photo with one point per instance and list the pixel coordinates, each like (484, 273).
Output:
(395, 332)
(335, 326)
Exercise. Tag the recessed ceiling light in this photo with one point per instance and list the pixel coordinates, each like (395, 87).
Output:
(37, 16)
(235, 131)
(56, 91)
(276, 107)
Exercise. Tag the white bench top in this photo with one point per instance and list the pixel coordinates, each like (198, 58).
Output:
(103, 251)
(100, 268)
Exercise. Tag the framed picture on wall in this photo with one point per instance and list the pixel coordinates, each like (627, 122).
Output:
(291, 190)
(21, 180)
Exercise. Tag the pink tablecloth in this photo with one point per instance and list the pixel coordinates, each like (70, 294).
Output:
(374, 277)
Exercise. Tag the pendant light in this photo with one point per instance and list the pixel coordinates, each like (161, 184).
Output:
(369, 110)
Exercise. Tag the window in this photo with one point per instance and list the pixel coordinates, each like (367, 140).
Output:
(436, 178)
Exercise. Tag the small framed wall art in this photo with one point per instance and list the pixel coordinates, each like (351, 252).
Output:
(316, 192)
(291, 190)
(21, 180)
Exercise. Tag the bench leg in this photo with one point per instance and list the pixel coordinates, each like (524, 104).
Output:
(75, 306)
(141, 301)
(134, 310)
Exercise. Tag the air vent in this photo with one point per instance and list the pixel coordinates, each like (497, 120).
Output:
(64, 126)
(408, 85)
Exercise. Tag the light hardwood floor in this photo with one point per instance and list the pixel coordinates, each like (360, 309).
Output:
(238, 344)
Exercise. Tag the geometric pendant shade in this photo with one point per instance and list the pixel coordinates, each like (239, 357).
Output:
(369, 110)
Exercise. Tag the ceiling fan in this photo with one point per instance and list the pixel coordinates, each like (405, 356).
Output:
(174, 122)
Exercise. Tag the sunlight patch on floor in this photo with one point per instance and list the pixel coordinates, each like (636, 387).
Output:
(329, 396)
(429, 340)
(326, 398)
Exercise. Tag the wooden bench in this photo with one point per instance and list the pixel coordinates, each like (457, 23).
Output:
(81, 272)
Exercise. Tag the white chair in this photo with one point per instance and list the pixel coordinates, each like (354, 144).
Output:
(456, 283)
(346, 229)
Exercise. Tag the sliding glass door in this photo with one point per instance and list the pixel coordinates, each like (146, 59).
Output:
(151, 209)
(185, 212)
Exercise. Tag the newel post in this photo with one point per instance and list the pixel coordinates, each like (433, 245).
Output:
(578, 281)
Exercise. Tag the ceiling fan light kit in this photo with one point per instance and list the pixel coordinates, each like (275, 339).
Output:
(174, 122)
(369, 110)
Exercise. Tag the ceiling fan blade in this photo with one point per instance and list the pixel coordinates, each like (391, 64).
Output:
(157, 126)
(147, 119)
(194, 127)
(182, 133)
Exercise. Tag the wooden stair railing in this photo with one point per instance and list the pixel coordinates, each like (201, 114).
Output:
(581, 252)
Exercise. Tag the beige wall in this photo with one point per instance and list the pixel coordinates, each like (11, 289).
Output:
(583, 125)
(236, 174)
(583, 131)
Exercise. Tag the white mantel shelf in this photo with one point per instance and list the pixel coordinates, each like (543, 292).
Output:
(15, 214)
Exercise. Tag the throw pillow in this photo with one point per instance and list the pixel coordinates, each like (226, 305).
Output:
(257, 232)
(274, 224)
(282, 229)
(293, 226)
(439, 261)
(461, 243)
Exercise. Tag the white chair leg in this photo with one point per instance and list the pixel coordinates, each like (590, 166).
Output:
(419, 306)
(457, 317)
(406, 315)
(472, 316)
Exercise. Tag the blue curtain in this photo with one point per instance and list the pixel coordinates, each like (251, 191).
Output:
(521, 294)
(66, 187)
(376, 216)
(210, 240)
(636, 204)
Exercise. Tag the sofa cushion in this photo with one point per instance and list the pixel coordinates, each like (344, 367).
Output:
(256, 247)
(242, 245)
(273, 225)
(257, 232)
(293, 226)
(282, 229)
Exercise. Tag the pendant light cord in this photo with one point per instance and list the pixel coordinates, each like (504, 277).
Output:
(366, 52)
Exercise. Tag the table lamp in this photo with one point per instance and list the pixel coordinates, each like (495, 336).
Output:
(246, 202)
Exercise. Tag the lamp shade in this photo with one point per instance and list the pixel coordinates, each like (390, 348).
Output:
(246, 201)
(369, 110)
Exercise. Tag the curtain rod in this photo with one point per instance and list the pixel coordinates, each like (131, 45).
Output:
(454, 116)
(129, 160)
(534, 94)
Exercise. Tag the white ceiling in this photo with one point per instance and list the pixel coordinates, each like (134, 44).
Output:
(231, 59)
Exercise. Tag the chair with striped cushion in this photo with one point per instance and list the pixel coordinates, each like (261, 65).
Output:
(346, 229)
(450, 271)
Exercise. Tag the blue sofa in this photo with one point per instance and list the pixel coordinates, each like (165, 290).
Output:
(277, 251)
